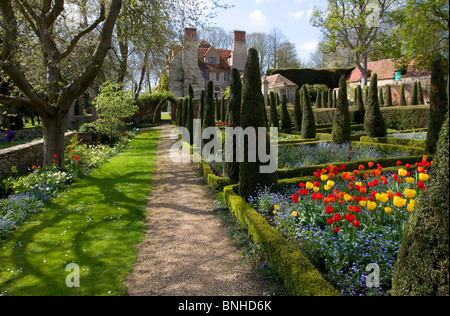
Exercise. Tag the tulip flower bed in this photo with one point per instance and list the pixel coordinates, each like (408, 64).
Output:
(344, 221)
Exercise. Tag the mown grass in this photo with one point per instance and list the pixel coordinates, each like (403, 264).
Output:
(96, 223)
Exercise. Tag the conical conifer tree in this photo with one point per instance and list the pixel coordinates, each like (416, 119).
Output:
(414, 99)
(190, 119)
(388, 96)
(208, 118)
(438, 106)
(201, 110)
(185, 111)
(250, 176)
(298, 111)
(422, 263)
(359, 114)
(381, 97)
(402, 98)
(308, 120)
(285, 117)
(274, 120)
(330, 98)
(374, 124)
(420, 93)
(231, 169)
(342, 127)
(318, 99)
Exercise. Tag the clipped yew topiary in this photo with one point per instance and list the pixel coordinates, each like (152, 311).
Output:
(318, 99)
(342, 127)
(414, 99)
(285, 117)
(201, 110)
(308, 130)
(298, 111)
(380, 97)
(190, 119)
(250, 177)
(401, 93)
(231, 169)
(359, 114)
(185, 112)
(324, 99)
(423, 259)
(374, 124)
(223, 110)
(273, 114)
(179, 113)
(208, 118)
(330, 98)
(420, 93)
(388, 96)
(438, 106)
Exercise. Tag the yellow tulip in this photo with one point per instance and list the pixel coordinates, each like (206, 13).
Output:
(399, 202)
(326, 187)
(410, 180)
(402, 172)
(347, 197)
(410, 193)
(309, 185)
(424, 177)
(324, 177)
(274, 212)
(383, 197)
(316, 189)
(276, 207)
(358, 184)
(410, 206)
(330, 183)
(363, 203)
(388, 209)
(371, 205)
(294, 213)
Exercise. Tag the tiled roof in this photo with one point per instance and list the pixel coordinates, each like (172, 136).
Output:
(224, 55)
(278, 79)
(385, 69)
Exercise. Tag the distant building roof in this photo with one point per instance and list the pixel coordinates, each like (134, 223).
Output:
(386, 68)
(279, 79)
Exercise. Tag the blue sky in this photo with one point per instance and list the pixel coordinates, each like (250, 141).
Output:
(292, 17)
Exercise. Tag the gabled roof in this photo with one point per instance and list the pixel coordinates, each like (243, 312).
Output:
(386, 68)
(279, 79)
(224, 55)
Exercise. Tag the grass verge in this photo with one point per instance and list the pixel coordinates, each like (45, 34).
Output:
(96, 224)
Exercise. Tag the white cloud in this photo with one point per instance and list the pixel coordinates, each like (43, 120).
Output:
(309, 46)
(296, 15)
(257, 18)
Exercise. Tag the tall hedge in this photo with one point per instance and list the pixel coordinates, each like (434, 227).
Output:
(308, 130)
(324, 99)
(438, 106)
(359, 114)
(190, 119)
(402, 98)
(381, 97)
(342, 127)
(179, 113)
(201, 110)
(223, 109)
(285, 117)
(252, 116)
(330, 98)
(420, 93)
(208, 118)
(273, 113)
(297, 111)
(185, 111)
(231, 169)
(374, 124)
(318, 99)
(422, 264)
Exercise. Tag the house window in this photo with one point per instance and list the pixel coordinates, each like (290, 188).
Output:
(217, 76)
(226, 77)
(212, 60)
(206, 76)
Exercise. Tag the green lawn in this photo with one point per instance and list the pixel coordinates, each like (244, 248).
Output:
(96, 223)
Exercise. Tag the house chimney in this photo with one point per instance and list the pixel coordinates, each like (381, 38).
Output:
(190, 33)
(238, 51)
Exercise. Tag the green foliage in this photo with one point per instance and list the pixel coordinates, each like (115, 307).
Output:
(414, 99)
(402, 101)
(308, 121)
(208, 119)
(360, 113)
(190, 120)
(438, 106)
(388, 96)
(113, 105)
(252, 115)
(273, 113)
(298, 113)
(341, 127)
(380, 97)
(184, 117)
(374, 124)
(420, 93)
(318, 99)
(285, 118)
(423, 259)
(201, 111)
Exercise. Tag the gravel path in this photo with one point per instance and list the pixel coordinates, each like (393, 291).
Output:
(186, 251)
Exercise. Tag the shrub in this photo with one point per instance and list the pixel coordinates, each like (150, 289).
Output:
(330, 98)
(388, 96)
(273, 114)
(252, 116)
(208, 119)
(414, 99)
(318, 99)
(381, 97)
(359, 115)
(298, 111)
(422, 266)
(420, 93)
(342, 128)
(231, 169)
(402, 100)
(190, 120)
(285, 118)
(374, 124)
(185, 112)
(438, 106)
(308, 121)
(201, 110)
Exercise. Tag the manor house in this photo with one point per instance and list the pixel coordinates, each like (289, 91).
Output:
(197, 62)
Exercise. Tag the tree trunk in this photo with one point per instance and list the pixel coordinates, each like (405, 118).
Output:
(54, 127)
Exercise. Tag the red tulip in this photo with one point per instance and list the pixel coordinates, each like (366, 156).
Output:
(350, 218)
(55, 155)
(337, 229)
(330, 221)
(399, 163)
(356, 209)
(302, 185)
(408, 166)
(337, 217)
(295, 198)
(356, 223)
(329, 209)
